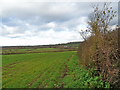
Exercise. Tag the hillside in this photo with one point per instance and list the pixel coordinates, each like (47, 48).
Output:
(62, 45)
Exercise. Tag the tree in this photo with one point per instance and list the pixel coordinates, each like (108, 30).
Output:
(100, 50)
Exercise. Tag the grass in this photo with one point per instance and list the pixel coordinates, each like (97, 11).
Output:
(47, 70)
(32, 50)
(21, 69)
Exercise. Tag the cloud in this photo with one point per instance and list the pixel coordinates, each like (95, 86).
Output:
(38, 23)
(44, 11)
(51, 25)
(41, 38)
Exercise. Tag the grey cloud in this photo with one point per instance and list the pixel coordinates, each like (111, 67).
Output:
(47, 11)
(41, 20)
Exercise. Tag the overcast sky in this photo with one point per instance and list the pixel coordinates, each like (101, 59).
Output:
(40, 23)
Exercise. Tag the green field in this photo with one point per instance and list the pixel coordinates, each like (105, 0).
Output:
(33, 50)
(47, 70)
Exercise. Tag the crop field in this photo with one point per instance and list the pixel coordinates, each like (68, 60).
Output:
(46, 70)
(28, 70)
(33, 50)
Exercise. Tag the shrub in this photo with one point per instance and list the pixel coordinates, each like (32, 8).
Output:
(100, 51)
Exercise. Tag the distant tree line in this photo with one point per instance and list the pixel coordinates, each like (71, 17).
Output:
(69, 45)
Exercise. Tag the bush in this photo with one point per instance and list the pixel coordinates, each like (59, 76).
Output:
(100, 51)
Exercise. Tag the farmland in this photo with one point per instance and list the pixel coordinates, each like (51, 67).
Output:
(71, 46)
(47, 70)
(32, 50)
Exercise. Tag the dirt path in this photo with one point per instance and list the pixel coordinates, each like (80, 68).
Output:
(65, 73)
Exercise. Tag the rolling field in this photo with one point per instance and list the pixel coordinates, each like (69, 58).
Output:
(46, 70)
(33, 70)
(33, 50)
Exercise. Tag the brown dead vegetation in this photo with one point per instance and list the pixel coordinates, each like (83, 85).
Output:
(101, 50)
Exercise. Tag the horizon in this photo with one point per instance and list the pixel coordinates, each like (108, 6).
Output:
(44, 23)
(45, 44)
